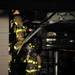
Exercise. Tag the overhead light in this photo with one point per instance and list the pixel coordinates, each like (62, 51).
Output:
(50, 39)
(48, 45)
(51, 34)
(71, 41)
(51, 22)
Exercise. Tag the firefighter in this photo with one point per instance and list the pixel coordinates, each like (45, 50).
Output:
(18, 29)
(28, 61)
(33, 60)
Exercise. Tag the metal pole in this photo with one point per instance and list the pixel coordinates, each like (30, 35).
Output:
(56, 62)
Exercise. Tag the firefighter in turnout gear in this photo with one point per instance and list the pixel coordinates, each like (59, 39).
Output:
(20, 32)
(33, 60)
(28, 61)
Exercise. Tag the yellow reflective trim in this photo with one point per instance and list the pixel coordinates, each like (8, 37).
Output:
(30, 71)
(19, 30)
(15, 47)
(32, 61)
(33, 70)
(39, 66)
(30, 44)
(24, 60)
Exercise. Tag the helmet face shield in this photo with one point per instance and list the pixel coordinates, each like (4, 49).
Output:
(18, 20)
